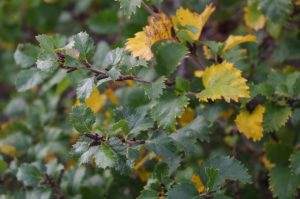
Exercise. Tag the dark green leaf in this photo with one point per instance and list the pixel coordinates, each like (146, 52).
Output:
(283, 184)
(229, 169)
(167, 108)
(278, 153)
(82, 118)
(168, 56)
(183, 191)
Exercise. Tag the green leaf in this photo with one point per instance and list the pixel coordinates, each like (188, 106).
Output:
(168, 56)
(168, 108)
(85, 45)
(155, 89)
(278, 153)
(3, 165)
(28, 79)
(149, 194)
(85, 89)
(101, 51)
(283, 184)
(49, 43)
(295, 162)
(29, 174)
(38, 193)
(187, 136)
(47, 62)
(284, 84)
(129, 6)
(105, 157)
(276, 10)
(114, 73)
(113, 57)
(25, 55)
(229, 169)
(235, 55)
(119, 128)
(82, 118)
(165, 147)
(264, 89)
(212, 174)
(215, 47)
(275, 116)
(182, 85)
(183, 191)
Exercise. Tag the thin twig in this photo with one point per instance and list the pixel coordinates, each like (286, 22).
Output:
(148, 9)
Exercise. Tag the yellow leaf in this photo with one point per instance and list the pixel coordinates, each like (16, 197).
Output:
(233, 41)
(185, 17)
(253, 17)
(9, 150)
(198, 183)
(187, 117)
(223, 80)
(159, 28)
(139, 47)
(112, 97)
(95, 102)
(251, 124)
(267, 163)
(198, 73)
(297, 2)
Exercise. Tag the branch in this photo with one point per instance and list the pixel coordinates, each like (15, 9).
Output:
(130, 142)
(96, 139)
(55, 185)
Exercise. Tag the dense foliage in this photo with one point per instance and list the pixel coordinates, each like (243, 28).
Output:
(149, 99)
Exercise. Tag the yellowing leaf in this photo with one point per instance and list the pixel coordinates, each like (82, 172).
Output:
(198, 183)
(184, 17)
(223, 80)
(50, 157)
(130, 83)
(233, 41)
(187, 117)
(297, 2)
(251, 124)
(95, 102)
(253, 17)
(159, 28)
(207, 53)
(9, 150)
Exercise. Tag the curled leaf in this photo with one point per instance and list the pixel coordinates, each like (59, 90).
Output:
(193, 22)
(158, 28)
(233, 41)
